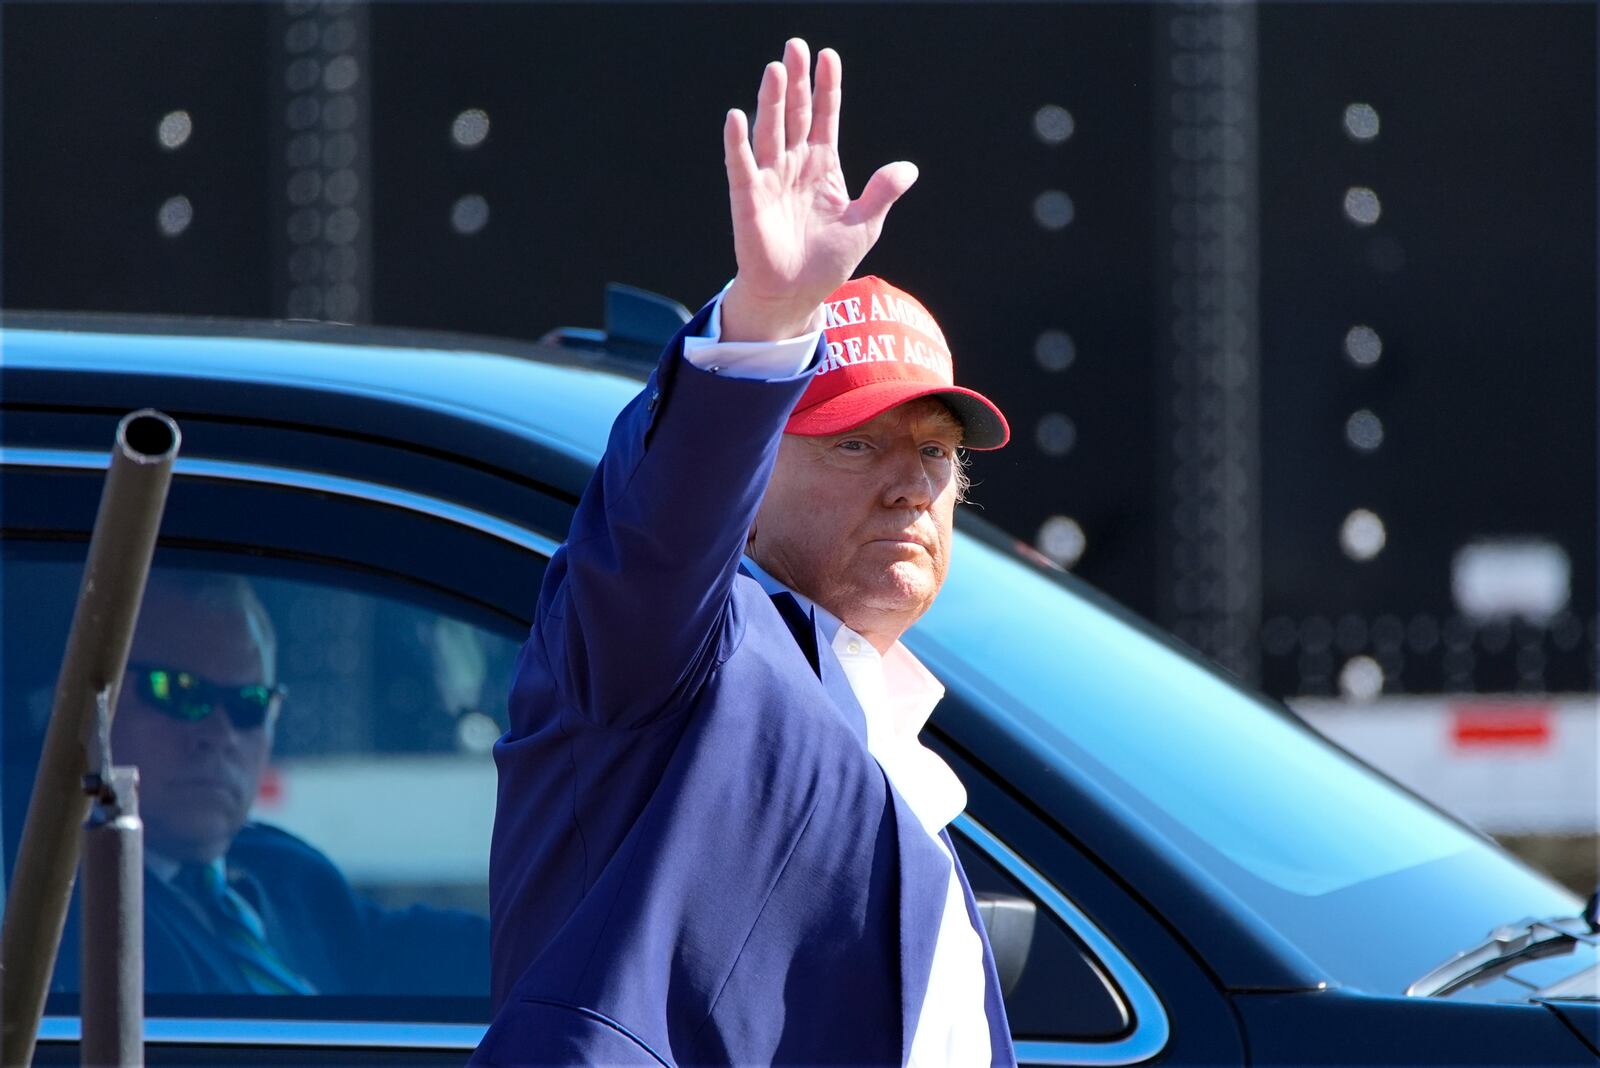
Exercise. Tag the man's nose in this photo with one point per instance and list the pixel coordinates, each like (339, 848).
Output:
(216, 728)
(909, 485)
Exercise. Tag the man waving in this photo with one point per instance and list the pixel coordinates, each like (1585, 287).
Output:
(718, 838)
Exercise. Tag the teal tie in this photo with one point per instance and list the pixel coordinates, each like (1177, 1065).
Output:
(239, 928)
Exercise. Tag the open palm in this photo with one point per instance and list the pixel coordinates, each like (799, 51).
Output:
(797, 235)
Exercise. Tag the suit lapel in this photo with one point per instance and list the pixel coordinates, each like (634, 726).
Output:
(924, 870)
(823, 661)
(168, 909)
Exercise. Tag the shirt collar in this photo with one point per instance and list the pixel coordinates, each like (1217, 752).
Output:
(826, 621)
(166, 869)
(911, 687)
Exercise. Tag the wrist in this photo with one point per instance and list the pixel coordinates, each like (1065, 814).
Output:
(748, 317)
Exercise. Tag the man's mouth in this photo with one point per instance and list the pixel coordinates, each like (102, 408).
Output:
(204, 781)
(899, 541)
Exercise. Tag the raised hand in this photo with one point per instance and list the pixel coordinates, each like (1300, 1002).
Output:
(797, 235)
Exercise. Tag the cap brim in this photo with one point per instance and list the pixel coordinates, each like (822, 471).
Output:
(982, 425)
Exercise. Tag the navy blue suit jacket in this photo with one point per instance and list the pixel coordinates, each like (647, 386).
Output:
(696, 860)
(315, 921)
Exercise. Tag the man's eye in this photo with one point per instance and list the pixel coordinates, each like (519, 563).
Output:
(853, 444)
(942, 452)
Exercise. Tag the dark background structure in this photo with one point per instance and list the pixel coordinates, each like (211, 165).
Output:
(1241, 276)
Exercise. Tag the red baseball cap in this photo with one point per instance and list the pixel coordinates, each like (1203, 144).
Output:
(885, 349)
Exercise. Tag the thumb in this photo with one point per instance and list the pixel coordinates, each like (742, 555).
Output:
(885, 187)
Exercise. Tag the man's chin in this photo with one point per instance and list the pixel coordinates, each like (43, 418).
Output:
(903, 587)
(194, 842)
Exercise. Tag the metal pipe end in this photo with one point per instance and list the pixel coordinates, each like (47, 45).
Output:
(148, 436)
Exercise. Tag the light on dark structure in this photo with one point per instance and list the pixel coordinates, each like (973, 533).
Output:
(341, 187)
(302, 112)
(340, 74)
(1053, 209)
(175, 216)
(470, 128)
(1361, 205)
(1361, 122)
(174, 129)
(1362, 536)
(1062, 540)
(302, 74)
(1053, 124)
(326, 193)
(341, 227)
(469, 214)
(1056, 434)
(1364, 431)
(339, 113)
(304, 187)
(1055, 350)
(301, 36)
(1422, 633)
(1363, 345)
(1361, 678)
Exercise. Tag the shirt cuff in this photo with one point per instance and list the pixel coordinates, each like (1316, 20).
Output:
(765, 360)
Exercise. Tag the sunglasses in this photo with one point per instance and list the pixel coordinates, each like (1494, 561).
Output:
(187, 697)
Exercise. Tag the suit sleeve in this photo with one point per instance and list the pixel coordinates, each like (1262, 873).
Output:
(634, 608)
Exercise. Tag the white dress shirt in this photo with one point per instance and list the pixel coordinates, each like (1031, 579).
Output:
(897, 695)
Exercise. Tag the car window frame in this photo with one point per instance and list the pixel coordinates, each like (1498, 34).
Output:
(1151, 1026)
(318, 1028)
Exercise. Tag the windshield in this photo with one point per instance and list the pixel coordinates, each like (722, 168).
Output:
(1318, 845)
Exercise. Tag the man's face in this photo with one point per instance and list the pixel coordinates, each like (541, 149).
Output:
(860, 521)
(196, 780)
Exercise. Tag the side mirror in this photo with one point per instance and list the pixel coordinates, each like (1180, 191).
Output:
(638, 324)
(639, 317)
(1009, 921)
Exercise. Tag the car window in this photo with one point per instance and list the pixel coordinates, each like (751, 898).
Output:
(1312, 841)
(316, 780)
(1060, 992)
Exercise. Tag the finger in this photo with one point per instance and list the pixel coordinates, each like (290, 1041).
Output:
(797, 114)
(826, 99)
(768, 137)
(736, 154)
(885, 187)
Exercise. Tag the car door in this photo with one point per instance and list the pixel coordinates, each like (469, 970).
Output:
(1104, 981)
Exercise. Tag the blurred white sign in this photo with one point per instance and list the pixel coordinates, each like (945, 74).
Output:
(1500, 579)
(1508, 764)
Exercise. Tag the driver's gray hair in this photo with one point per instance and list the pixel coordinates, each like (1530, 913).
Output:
(221, 591)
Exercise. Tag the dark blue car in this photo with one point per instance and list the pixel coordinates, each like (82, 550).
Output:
(1180, 871)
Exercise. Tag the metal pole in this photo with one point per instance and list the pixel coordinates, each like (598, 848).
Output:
(112, 946)
(97, 654)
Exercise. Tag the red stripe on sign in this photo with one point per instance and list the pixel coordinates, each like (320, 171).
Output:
(270, 792)
(1510, 726)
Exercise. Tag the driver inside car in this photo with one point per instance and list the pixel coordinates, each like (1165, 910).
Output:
(234, 906)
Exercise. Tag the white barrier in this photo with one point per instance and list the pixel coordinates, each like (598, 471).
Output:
(1507, 764)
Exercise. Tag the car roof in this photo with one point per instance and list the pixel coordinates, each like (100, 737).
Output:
(481, 380)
